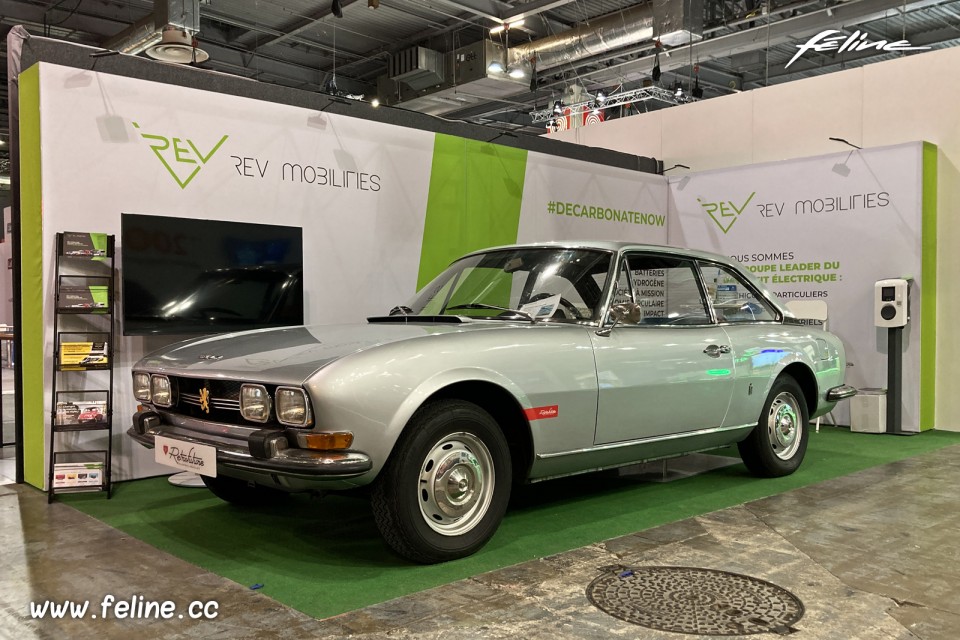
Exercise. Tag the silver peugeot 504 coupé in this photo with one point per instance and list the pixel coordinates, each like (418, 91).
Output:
(516, 364)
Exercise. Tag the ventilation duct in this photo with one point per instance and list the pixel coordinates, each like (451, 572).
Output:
(678, 22)
(168, 15)
(417, 67)
(616, 30)
(613, 31)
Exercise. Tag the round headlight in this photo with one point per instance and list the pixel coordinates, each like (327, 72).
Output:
(160, 390)
(141, 386)
(293, 409)
(255, 402)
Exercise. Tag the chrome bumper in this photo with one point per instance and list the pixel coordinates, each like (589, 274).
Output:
(281, 466)
(841, 392)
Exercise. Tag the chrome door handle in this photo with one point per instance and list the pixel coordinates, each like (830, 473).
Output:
(715, 350)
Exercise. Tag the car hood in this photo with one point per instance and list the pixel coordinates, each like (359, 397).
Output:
(283, 356)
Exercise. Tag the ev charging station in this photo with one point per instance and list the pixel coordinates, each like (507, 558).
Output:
(891, 309)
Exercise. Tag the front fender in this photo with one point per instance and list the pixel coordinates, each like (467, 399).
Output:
(444, 379)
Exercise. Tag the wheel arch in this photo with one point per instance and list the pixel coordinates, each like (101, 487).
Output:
(807, 381)
(505, 409)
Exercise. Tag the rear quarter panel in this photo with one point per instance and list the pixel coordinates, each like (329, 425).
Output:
(762, 352)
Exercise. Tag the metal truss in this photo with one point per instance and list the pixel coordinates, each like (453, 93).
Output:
(615, 100)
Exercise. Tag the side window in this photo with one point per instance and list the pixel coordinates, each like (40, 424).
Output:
(667, 290)
(732, 299)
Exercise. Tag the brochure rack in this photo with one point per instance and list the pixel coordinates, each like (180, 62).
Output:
(83, 356)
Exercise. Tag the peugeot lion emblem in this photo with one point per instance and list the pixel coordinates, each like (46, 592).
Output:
(205, 399)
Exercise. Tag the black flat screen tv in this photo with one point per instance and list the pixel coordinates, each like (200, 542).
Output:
(187, 276)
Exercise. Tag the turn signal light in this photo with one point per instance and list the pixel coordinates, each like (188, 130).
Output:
(325, 441)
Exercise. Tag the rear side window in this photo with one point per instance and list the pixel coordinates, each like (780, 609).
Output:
(732, 299)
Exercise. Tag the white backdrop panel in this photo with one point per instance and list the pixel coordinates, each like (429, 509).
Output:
(361, 244)
(567, 200)
(823, 228)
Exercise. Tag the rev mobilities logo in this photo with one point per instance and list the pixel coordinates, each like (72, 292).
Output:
(181, 157)
(857, 41)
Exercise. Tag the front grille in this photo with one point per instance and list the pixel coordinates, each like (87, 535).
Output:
(223, 401)
(216, 403)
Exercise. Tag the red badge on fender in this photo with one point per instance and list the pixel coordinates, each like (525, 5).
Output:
(540, 413)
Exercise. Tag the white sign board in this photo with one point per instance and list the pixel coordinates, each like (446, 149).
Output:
(823, 228)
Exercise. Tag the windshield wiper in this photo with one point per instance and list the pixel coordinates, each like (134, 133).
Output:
(480, 305)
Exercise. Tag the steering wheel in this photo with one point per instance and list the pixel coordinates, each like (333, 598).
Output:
(569, 309)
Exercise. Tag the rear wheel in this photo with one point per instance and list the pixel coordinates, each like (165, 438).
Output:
(446, 486)
(777, 444)
(241, 492)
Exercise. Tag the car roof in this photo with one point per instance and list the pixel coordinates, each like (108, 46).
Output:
(617, 246)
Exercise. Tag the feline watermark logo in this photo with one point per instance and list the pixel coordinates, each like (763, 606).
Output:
(857, 41)
(725, 212)
(182, 158)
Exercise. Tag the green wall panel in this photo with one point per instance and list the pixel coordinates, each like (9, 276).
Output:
(31, 272)
(474, 202)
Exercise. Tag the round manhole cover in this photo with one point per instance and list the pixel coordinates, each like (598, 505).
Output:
(697, 601)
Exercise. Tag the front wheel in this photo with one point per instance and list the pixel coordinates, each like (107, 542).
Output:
(444, 491)
(777, 444)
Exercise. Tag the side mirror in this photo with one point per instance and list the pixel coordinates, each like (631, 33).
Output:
(627, 312)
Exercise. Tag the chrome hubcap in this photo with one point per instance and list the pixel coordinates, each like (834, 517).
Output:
(783, 425)
(456, 484)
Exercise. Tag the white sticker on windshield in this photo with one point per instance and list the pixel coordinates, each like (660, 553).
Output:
(542, 308)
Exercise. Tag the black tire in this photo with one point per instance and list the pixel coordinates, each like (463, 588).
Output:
(241, 492)
(444, 441)
(777, 444)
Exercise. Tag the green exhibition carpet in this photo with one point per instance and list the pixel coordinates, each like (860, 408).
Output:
(324, 557)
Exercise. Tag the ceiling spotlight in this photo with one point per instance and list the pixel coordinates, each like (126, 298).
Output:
(601, 97)
(373, 4)
(558, 107)
(177, 46)
(331, 86)
(336, 8)
(679, 92)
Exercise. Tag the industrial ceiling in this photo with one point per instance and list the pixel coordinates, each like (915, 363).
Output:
(434, 56)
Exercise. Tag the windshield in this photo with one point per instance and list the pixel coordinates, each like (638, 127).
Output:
(540, 283)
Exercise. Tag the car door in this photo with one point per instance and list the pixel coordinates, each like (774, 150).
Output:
(755, 334)
(667, 369)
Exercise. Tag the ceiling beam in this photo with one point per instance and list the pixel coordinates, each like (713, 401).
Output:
(493, 10)
(303, 24)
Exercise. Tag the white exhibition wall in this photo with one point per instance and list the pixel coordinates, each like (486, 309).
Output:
(361, 191)
(562, 201)
(908, 99)
(822, 228)
(97, 134)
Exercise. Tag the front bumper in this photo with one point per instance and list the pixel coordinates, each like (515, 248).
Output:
(275, 464)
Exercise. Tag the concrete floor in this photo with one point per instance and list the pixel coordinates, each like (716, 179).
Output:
(871, 555)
